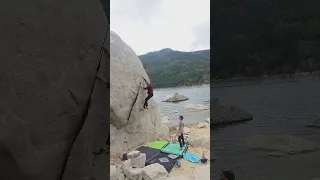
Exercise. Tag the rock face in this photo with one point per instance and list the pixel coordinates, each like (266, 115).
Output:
(175, 98)
(129, 126)
(280, 144)
(53, 90)
(196, 107)
(227, 115)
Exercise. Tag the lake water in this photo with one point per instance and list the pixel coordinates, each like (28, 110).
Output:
(278, 109)
(197, 95)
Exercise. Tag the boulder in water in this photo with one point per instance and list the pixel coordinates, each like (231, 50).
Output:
(228, 115)
(175, 98)
(131, 126)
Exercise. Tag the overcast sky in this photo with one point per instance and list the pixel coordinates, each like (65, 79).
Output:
(151, 25)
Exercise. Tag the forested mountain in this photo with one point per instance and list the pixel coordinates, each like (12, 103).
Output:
(169, 68)
(264, 37)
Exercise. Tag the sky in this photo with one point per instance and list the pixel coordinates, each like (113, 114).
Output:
(152, 25)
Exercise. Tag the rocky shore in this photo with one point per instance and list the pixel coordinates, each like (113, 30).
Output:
(197, 136)
(282, 78)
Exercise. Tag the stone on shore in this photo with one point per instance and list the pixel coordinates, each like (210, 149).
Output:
(133, 173)
(196, 107)
(154, 172)
(140, 161)
(133, 154)
(202, 125)
(175, 98)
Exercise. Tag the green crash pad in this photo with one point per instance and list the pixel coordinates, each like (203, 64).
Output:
(174, 149)
(157, 144)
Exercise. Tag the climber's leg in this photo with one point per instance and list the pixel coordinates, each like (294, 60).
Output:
(146, 101)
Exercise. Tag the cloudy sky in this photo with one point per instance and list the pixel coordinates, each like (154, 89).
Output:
(151, 25)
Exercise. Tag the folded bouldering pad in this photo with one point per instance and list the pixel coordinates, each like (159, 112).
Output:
(174, 149)
(157, 144)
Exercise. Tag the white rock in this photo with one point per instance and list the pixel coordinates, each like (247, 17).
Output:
(133, 154)
(202, 125)
(196, 107)
(121, 176)
(201, 142)
(133, 173)
(139, 162)
(175, 98)
(133, 127)
(154, 172)
(165, 120)
(126, 164)
(208, 120)
(113, 173)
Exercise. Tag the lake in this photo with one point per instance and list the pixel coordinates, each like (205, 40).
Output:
(196, 95)
(284, 108)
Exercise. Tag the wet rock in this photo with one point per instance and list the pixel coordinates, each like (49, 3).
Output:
(175, 98)
(154, 172)
(196, 107)
(282, 144)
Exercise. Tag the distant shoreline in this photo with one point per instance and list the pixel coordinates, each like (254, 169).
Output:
(247, 81)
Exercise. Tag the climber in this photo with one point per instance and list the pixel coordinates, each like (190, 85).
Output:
(180, 132)
(150, 93)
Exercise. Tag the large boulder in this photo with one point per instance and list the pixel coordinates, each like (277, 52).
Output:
(175, 98)
(228, 114)
(154, 172)
(53, 90)
(130, 126)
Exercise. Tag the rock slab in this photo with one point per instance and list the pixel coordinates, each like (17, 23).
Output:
(53, 90)
(154, 172)
(130, 126)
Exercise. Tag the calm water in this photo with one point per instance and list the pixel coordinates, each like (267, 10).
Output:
(278, 109)
(197, 95)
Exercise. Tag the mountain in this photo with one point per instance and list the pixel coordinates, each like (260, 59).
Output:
(170, 68)
(251, 38)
